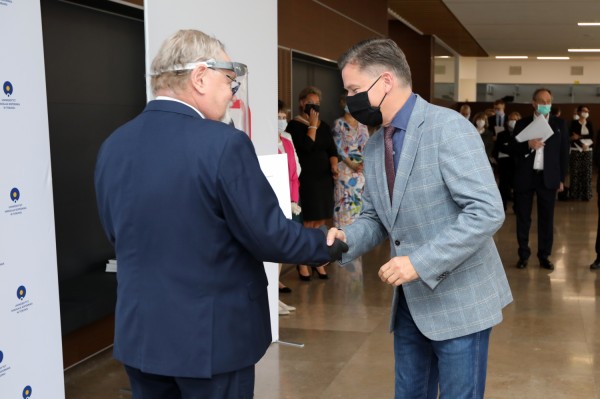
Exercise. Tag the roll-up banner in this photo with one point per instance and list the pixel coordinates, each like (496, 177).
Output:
(30, 339)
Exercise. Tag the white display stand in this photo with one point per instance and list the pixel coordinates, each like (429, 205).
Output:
(234, 23)
(275, 168)
(31, 363)
(248, 29)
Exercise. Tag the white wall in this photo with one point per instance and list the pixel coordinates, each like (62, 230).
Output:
(249, 34)
(449, 70)
(467, 79)
(537, 71)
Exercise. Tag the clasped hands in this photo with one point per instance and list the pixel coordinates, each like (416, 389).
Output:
(397, 271)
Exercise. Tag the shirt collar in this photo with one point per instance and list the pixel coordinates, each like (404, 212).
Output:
(167, 98)
(401, 119)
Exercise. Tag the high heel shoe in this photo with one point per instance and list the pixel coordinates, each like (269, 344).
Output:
(322, 276)
(302, 277)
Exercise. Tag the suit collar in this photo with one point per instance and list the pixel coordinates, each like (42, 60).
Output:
(172, 106)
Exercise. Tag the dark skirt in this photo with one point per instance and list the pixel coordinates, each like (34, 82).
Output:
(316, 194)
(580, 168)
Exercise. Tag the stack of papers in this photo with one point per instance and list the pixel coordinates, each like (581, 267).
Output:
(111, 266)
(537, 129)
(587, 142)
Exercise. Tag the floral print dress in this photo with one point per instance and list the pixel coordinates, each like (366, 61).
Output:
(350, 184)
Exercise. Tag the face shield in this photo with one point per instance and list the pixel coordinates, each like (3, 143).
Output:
(238, 113)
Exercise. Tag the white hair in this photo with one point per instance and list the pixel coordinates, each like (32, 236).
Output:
(183, 47)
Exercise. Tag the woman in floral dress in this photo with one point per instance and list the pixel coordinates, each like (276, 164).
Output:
(350, 138)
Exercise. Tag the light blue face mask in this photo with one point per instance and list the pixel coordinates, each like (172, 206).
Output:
(544, 109)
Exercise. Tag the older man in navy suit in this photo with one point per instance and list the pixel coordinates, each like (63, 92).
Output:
(192, 217)
(431, 191)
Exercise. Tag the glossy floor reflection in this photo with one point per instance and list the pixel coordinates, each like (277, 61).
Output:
(547, 347)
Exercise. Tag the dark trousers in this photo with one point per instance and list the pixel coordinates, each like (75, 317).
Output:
(234, 385)
(506, 177)
(546, 198)
(598, 228)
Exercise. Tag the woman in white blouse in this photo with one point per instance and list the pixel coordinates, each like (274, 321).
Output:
(580, 160)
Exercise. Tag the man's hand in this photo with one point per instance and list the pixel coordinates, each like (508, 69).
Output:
(334, 233)
(535, 144)
(398, 271)
(337, 246)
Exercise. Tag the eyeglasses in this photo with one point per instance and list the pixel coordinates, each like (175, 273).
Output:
(236, 67)
(235, 85)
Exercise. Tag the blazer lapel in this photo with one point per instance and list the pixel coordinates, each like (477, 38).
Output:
(407, 157)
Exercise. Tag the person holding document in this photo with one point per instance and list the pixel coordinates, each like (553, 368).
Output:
(541, 153)
(192, 217)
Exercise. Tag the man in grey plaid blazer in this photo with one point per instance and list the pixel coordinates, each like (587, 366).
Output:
(450, 285)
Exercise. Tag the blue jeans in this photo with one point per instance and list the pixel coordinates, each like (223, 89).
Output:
(457, 366)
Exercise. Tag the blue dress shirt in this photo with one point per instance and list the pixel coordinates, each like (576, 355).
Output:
(400, 122)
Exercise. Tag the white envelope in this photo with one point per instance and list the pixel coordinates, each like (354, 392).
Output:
(537, 129)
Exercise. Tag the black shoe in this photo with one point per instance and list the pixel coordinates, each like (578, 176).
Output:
(322, 276)
(302, 277)
(522, 264)
(595, 265)
(546, 264)
(285, 290)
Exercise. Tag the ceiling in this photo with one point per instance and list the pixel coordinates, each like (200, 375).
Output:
(480, 28)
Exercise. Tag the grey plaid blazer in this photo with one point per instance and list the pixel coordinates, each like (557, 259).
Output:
(445, 210)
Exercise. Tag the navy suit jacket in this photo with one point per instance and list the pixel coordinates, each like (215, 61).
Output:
(192, 217)
(556, 155)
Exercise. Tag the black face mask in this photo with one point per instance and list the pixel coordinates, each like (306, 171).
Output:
(308, 107)
(361, 109)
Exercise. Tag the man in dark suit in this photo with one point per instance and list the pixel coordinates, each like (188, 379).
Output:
(192, 217)
(497, 122)
(540, 169)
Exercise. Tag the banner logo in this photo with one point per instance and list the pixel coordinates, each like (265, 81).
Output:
(8, 102)
(26, 392)
(8, 88)
(24, 304)
(4, 368)
(17, 208)
(15, 194)
(21, 292)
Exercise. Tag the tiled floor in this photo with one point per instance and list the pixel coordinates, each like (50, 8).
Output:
(547, 347)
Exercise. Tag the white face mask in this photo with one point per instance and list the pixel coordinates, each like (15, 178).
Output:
(480, 124)
(575, 117)
(585, 115)
(281, 125)
(511, 124)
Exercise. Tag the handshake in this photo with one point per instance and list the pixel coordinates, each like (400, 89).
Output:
(336, 249)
